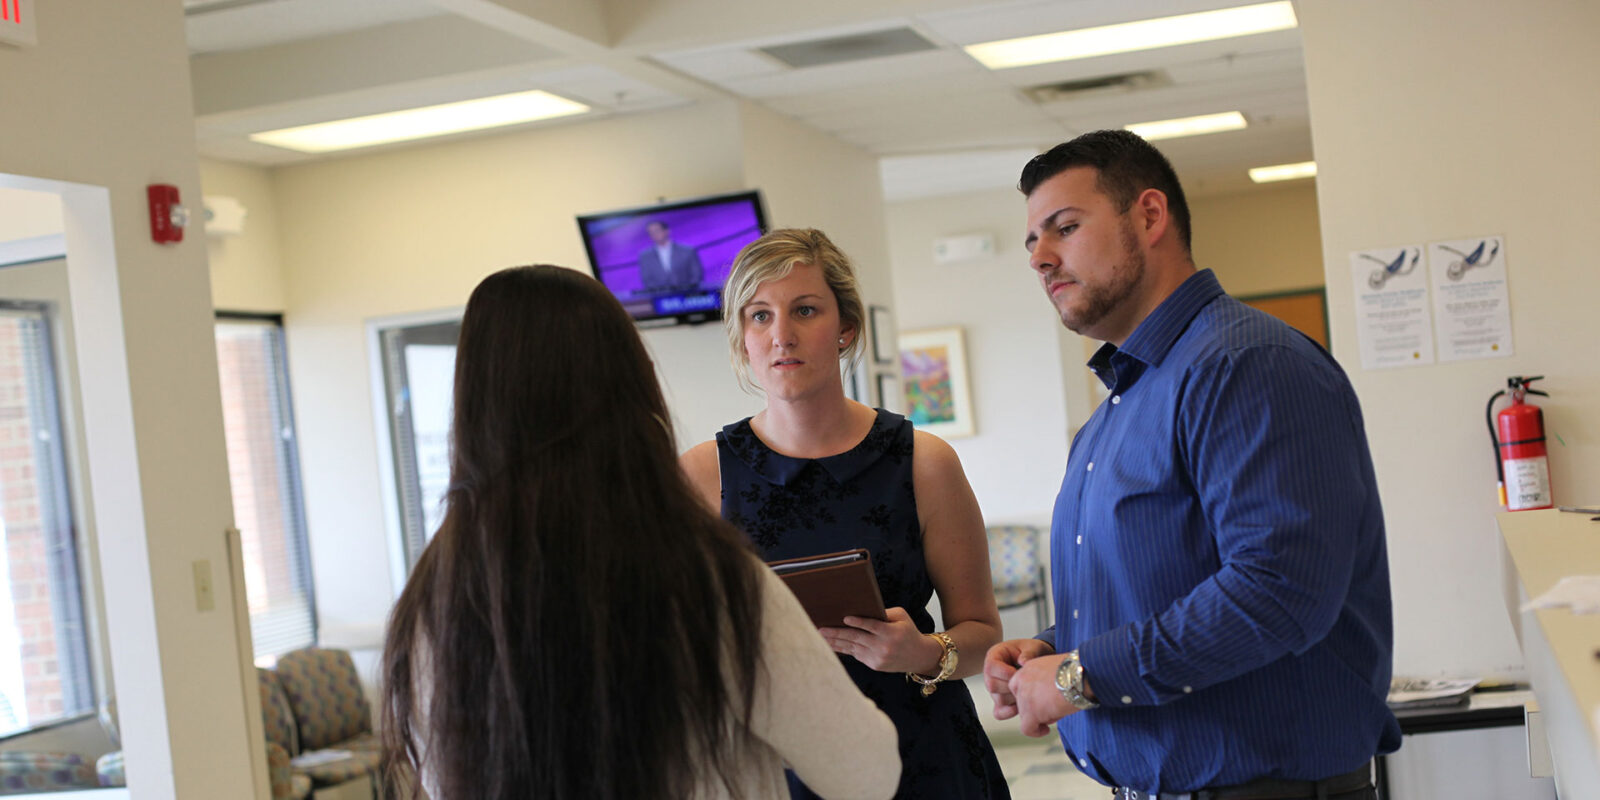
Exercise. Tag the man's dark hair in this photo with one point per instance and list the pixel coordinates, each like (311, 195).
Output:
(1127, 165)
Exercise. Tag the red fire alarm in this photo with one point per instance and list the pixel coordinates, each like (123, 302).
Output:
(167, 217)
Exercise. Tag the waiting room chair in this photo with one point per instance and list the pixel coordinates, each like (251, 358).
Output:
(24, 772)
(319, 713)
(329, 712)
(283, 739)
(1017, 570)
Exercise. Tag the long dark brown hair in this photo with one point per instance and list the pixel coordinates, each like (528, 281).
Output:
(580, 625)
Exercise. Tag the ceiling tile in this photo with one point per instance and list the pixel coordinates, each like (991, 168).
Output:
(279, 21)
(880, 71)
(933, 174)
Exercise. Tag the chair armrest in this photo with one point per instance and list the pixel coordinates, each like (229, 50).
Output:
(279, 773)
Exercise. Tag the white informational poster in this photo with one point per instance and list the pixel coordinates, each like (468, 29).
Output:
(1471, 304)
(1392, 319)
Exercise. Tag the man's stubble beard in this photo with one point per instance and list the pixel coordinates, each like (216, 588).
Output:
(1100, 301)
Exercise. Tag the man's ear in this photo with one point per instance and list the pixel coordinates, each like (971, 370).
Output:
(1152, 215)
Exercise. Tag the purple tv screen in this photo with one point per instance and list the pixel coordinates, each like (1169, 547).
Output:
(670, 260)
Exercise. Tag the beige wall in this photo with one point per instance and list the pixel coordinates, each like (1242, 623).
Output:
(1262, 241)
(29, 215)
(413, 230)
(1438, 120)
(246, 270)
(812, 180)
(1014, 354)
(103, 101)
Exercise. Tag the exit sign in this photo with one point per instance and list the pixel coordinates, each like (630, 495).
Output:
(16, 22)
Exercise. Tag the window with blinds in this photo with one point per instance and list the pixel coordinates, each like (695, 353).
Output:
(264, 470)
(419, 363)
(44, 658)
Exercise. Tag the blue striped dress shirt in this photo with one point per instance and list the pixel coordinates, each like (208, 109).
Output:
(1218, 558)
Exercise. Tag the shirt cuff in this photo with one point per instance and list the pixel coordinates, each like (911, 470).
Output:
(1048, 636)
(1111, 668)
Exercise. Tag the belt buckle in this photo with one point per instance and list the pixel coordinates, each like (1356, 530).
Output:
(1124, 793)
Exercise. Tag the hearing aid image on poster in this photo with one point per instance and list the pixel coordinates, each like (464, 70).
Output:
(1393, 322)
(1471, 300)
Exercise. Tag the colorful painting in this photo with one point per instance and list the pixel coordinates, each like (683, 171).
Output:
(933, 366)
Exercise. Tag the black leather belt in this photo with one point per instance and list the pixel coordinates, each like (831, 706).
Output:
(1265, 789)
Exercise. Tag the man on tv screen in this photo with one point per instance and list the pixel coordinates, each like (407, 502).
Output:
(668, 266)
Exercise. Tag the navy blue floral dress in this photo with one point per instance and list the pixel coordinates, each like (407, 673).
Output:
(796, 507)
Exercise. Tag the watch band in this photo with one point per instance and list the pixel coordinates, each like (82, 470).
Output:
(1069, 679)
(947, 664)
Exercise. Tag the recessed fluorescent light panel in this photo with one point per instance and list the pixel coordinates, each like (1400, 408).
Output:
(1189, 126)
(421, 123)
(1284, 172)
(1127, 37)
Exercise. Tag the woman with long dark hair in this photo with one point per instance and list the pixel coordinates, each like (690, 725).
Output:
(580, 626)
(816, 472)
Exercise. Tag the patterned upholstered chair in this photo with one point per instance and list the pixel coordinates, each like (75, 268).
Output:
(330, 712)
(282, 740)
(1017, 570)
(28, 773)
(110, 769)
(277, 722)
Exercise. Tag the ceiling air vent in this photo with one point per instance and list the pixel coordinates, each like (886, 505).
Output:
(195, 8)
(856, 47)
(1097, 87)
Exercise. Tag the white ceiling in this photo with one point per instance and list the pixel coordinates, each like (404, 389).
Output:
(265, 64)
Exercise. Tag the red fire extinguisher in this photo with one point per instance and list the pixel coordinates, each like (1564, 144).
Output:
(1520, 458)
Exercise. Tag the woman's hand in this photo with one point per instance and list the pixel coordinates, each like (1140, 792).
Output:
(894, 645)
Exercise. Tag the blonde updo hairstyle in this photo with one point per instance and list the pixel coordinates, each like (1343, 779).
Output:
(772, 258)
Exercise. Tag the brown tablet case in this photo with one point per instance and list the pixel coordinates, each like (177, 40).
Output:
(832, 586)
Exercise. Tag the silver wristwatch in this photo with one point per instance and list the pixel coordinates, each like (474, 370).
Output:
(1069, 679)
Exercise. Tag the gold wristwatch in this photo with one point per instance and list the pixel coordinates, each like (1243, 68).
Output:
(947, 664)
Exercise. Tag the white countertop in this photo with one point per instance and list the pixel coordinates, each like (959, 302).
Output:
(1558, 645)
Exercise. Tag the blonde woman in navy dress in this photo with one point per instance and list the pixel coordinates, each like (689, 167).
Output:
(815, 472)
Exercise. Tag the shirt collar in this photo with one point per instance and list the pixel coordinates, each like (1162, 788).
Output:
(1153, 338)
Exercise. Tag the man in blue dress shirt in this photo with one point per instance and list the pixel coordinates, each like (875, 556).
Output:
(1221, 581)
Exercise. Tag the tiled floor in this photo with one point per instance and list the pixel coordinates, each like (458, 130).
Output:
(1036, 769)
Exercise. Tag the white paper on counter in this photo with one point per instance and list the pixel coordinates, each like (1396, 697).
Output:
(1581, 593)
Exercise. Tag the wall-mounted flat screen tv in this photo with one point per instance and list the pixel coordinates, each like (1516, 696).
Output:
(668, 261)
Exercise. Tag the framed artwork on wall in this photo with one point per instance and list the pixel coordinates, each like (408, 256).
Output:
(934, 388)
(883, 337)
